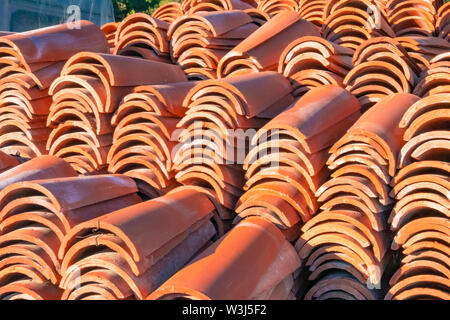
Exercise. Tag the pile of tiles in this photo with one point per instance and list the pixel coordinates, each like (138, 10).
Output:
(222, 115)
(412, 18)
(311, 62)
(40, 201)
(140, 35)
(261, 51)
(286, 165)
(29, 63)
(115, 257)
(382, 68)
(110, 30)
(349, 23)
(273, 7)
(420, 217)
(145, 136)
(312, 11)
(436, 78)
(195, 6)
(268, 276)
(86, 95)
(193, 138)
(346, 245)
(199, 41)
(423, 49)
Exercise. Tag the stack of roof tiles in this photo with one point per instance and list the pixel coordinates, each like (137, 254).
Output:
(261, 51)
(220, 117)
(268, 273)
(168, 12)
(110, 29)
(195, 6)
(312, 11)
(286, 165)
(116, 257)
(350, 22)
(200, 40)
(29, 63)
(40, 201)
(86, 95)
(346, 245)
(423, 49)
(436, 78)
(382, 68)
(145, 136)
(311, 62)
(143, 36)
(315, 130)
(420, 217)
(273, 7)
(412, 18)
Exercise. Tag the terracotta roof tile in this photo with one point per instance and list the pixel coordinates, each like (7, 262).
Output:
(168, 12)
(239, 250)
(200, 40)
(144, 260)
(141, 35)
(419, 218)
(285, 182)
(331, 154)
(262, 49)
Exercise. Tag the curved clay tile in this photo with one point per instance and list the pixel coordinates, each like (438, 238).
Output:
(7, 162)
(417, 168)
(427, 146)
(312, 11)
(89, 101)
(313, 58)
(109, 29)
(259, 17)
(191, 282)
(273, 7)
(306, 146)
(141, 35)
(443, 21)
(221, 115)
(343, 282)
(419, 266)
(434, 285)
(45, 167)
(200, 40)
(432, 181)
(423, 49)
(168, 12)
(25, 82)
(300, 119)
(145, 130)
(384, 130)
(37, 46)
(31, 237)
(30, 290)
(355, 200)
(273, 36)
(412, 18)
(148, 258)
(349, 22)
(433, 82)
(64, 207)
(195, 6)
